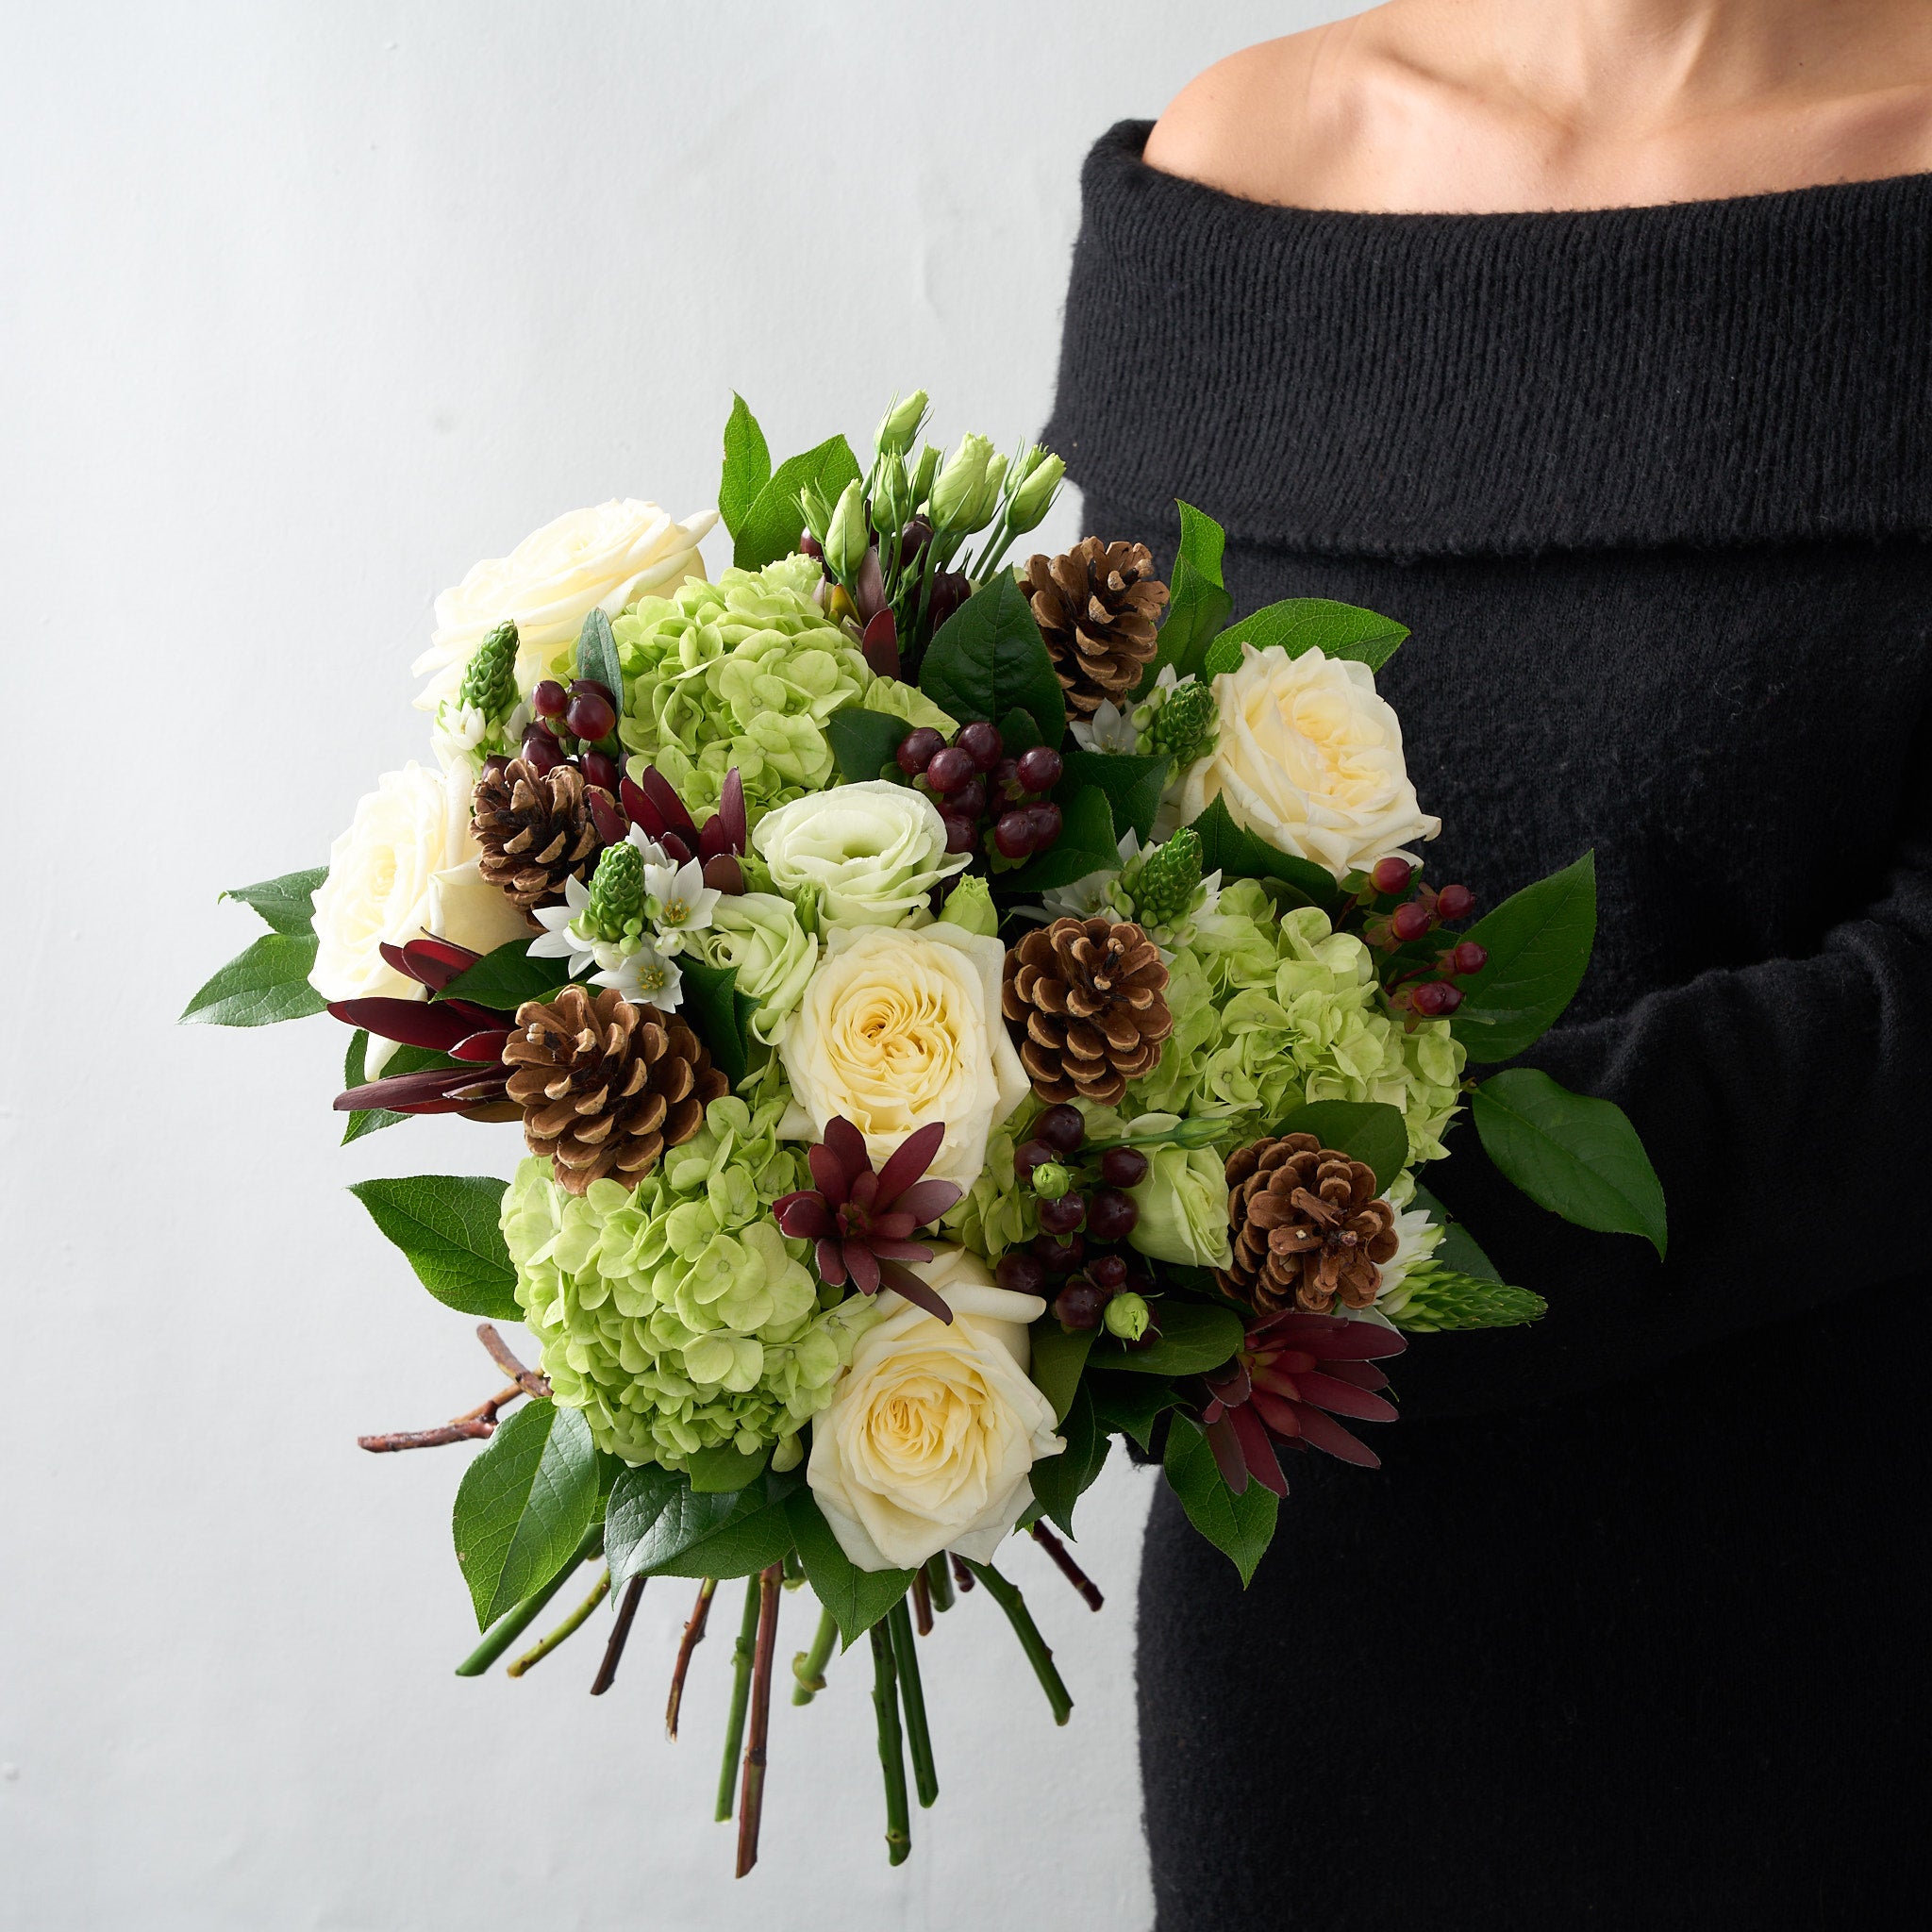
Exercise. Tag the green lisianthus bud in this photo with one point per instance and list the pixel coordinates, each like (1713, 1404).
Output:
(901, 424)
(986, 505)
(1183, 726)
(891, 493)
(969, 905)
(955, 493)
(924, 478)
(616, 893)
(816, 511)
(1033, 493)
(847, 537)
(1128, 1317)
(1051, 1180)
(1167, 880)
(489, 681)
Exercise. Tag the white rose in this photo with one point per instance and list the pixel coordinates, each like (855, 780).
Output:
(897, 1029)
(1308, 758)
(931, 1434)
(404, 868)
(874, 851)
(589, 559)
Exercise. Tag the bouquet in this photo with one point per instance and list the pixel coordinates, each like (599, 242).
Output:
(959, 1010)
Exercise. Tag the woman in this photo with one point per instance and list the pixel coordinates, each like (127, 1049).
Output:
(1592, 339)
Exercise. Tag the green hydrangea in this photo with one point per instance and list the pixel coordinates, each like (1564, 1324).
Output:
(1272, 1012)
(743, 671)
(675, 1315)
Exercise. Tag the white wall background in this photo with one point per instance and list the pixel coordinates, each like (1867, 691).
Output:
(301, 309)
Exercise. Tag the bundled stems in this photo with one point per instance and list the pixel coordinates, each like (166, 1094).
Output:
(922, 1604)
(962, 1573)
(741, 1699)
(1090, 1591)
(515, 1623)
(939, 1582)
(912, 1700)
(694, 1636)
(569, 1627)
(751, 1796)
(1035, 1645)
(809, 1666)
(620, 1635)
(885, 1703)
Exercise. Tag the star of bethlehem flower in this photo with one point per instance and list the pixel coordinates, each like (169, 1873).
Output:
(678, 903)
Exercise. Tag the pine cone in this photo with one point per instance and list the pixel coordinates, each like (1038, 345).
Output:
(536, 830)
(1307, 1227)
(1097, 608)
(1084, 1002)
(605, 1085)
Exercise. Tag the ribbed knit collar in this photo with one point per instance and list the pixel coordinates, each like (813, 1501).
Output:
(1702, 373)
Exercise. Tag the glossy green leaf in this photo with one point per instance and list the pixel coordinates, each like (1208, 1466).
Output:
(1578, 1157)
(446, 1225)
(988, 658)
(1370, 1131)
(1133, 784)
(719, 1014)
(747, 465)
(771, 526)
(267, 983)
(725, 1470)
(1458, 1248)
(1130, 1404)
(508, 977)
(857, 1598)
(744, 1546)
(1058, 1356)
(524, 1505)
(1240, 1528)
(1199, 603)
(1018, 732)
(596, 656)
(1059, 1481)
(1305, 624)
(654, 1514)
(863, 741)
(1194, 1338)
(1087, 844)
(1238, 854)
(286, 904)
(1538, 942)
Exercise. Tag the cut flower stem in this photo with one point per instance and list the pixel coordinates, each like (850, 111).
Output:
(741, 1699)
(569, 1627)
(885, 1703)
(1031, 1641)
(516, 1622)
(620, 1635)
(912, 1699)
(751, 1797)
(694, 1636)
(809, 1666)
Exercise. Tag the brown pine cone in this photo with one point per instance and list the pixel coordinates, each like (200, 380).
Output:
(1084, 1002)
(536, 830)
(607, 1084)
(1306, 1228)
(1097, 608)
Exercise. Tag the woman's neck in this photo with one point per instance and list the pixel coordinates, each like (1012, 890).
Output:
(1475, 106)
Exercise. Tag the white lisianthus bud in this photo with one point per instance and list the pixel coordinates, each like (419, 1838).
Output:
(955, 494)
(846, 536)
(1034, 493)
(900, 425)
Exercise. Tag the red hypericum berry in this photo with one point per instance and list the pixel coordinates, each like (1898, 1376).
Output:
(1062, 1127)
(1005, 779)
(1027, 1155)
(578, 686)
(1012, 837)
(916, 750)
(1410, 921)
(591, 716)
(970, 798)
(1469, 958)
(810, 544)
(1079, 1305)
(1454, 901)
(1043, 824)
(1108, 1271)
(601, 769)
(980, 741)
(950, 769)
(495, 765)
(1041, 767)
(1436, 997)
(1059, 1257)
(962, 834)
(1020, 1272)
(1111, 1215)
(1065, 1215)
(550, 699)
(540, 749)
(1391, 876)
(1123, 1167)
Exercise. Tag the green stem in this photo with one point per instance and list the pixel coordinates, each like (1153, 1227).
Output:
(740, 1697)
(939, 1582)
(569, 1627)
(912, 1697)
(885, 1703)
(506, 1632)
(809, 1666)
(1037, 1655)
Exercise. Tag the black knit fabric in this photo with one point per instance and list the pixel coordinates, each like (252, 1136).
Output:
(1627, 1630)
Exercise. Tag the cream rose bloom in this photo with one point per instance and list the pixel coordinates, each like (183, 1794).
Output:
(901, 1028)
(406, 866)
(589, 559)
(930, 1438)
(874, 851)
(1308, 757)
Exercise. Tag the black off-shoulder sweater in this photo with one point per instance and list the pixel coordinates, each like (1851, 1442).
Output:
(1630, 1629)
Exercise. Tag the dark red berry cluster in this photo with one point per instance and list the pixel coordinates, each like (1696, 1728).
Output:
(988, 800)
(571, 722)
(1422, 962)
(1074, 1262)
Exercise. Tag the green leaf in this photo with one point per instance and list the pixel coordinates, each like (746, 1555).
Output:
(1577, 1156)
(1237, 853)
(1199, 603)
(769, 528)
(1240, 1528)
(988, 658)
(1130, 1404)
(720, 1013)
(1133, 782)
(1458, 1248)
(656, 1524)
(863, 741)
(747, 465)
(744, 1546)
(1192, 1340)
(1059, 1481)
(267, 983)
(286, 903)
(1087, 844)
(1539, 943)
(724, 1470)
(524, 1505)
(1058, 1356)
(508, 977)
(1442, 1299)
(446, 1225)
(857, 1598)
(1370, 1131)
(1018, 732)
(597, 655)
(1303, 624)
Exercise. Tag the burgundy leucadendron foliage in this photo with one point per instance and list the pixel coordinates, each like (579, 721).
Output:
(466, 1031)
(655, 809)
